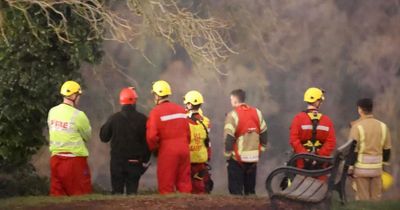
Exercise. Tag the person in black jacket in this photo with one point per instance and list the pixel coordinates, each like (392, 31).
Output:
(126, 130)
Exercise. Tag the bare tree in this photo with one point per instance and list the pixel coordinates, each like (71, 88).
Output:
(201, 37)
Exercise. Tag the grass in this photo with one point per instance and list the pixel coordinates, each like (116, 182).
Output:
(368, 205)
(12, 203)
(27, 201)
(41, 200)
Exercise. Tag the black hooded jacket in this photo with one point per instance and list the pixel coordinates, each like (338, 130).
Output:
(126, 130)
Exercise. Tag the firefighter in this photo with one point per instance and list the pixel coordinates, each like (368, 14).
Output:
(245, 134)
(373, 152)
(311, 131)
(69, 130)
(200, 147)
(168, 135)
(130, 155)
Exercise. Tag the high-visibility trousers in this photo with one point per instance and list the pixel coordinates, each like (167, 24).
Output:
(69, 176)
(368, 188)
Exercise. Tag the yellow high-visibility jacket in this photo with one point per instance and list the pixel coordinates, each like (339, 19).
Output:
(69, 129)
(198, 134)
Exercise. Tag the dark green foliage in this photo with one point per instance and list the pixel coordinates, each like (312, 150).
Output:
(33, 65)
(23, 181)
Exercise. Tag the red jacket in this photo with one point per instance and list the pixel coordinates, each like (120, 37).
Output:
(301, 132)
(167, 127)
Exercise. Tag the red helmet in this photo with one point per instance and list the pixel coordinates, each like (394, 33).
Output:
(128, 96)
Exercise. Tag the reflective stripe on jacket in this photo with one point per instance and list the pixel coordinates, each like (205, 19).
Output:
(301, 132)
(198, 135)
(372, 136)
(168, 128)
(69, 128)
(245, 123)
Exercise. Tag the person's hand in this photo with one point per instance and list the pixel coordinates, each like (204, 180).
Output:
(350, 171)
(228, 155)
(146, 165)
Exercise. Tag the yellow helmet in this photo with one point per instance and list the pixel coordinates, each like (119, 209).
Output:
(194, 97)
(161, 88)
(69, 88)
(313, 94)
(387, 180)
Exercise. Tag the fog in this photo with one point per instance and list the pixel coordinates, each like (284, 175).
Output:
(349, 48)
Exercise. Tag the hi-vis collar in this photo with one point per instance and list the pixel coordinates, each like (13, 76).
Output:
(314, 115)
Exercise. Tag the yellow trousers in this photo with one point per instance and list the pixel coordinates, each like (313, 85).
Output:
(368, 188)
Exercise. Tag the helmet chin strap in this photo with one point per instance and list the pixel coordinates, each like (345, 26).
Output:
(315, 104)
(319, 103)
(72, 100)
(158, 99)
(312, 107)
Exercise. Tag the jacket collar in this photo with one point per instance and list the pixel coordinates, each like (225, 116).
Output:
(243, 106)
(312, 108)
(367, 116)
(163, 101)
(194, 114)
(128, 107)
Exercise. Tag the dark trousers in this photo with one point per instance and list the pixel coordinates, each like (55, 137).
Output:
(125, 174)
(241, 177)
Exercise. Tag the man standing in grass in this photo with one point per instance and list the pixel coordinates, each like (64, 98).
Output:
(245, 134)
(311, 131)
(373, 152)
(69, 130)
(126, 130)
(200, 146)
(168, 135)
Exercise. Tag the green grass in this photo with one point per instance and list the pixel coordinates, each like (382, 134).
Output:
(368, 205)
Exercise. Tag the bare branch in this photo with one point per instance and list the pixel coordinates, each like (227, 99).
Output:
(201, 37)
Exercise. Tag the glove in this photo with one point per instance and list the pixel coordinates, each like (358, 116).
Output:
(145, 166)
(228, 155)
